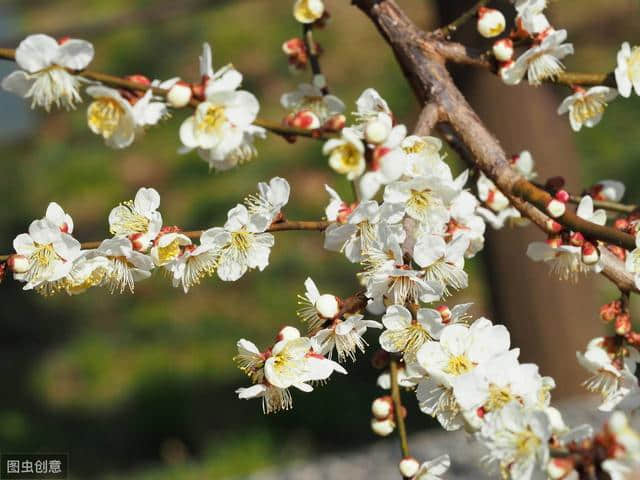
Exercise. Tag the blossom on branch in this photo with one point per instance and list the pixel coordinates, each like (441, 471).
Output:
(44, 76)
(586, 107)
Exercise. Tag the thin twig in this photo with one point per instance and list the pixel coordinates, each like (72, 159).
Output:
(447, 30)
(312, 48)
(604, 204)
(119, 82)
(284, 226)
(397, 407)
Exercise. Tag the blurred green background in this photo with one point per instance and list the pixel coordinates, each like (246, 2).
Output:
(142, 387)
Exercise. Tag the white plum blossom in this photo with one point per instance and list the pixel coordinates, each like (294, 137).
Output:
(627, 71)
(611, 190)
(369, 105)
(424, 199)
(86, 273)
(524, 164)
(265, 206)
(168, 247)
(612, 377)
(465, 222)
(49, 254)
(625, 461)
(542, 61)
(241, 244)
(58, 217)
(337, 210)
(459, 351)
(517, 440)
(565, 261)
(586, 107)
(222, 122)
(111, 116)
(585, 210)
(310, 97)
(424, 157)
(291, 362)
(442, 262)
(193, 263)
(531, 17)
(494, 384)
(368, 224)
(44, 75)
(126, 265)
(346, 154)
(388, 164)
(433, 469)
(139, 220)
(405, 335)
(390, 281)
(345, 336)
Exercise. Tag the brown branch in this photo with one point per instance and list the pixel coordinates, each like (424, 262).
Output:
(312, 48)
(119, 82)
(461, 20)
(287, 225)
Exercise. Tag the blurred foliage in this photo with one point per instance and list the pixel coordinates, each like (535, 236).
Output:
(142, 386)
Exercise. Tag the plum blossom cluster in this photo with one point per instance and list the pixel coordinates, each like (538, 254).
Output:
(541, 60)
(221, 130)
(49, 259)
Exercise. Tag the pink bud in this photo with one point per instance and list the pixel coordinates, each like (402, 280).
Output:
(576, 239)
(138, 78)
(590, 253)
(304, 119)
(556, 208)
(562, 195)
(553, 226)
(18, 263)
(445, 313)
(63, 40)
(622, 325)
(335, 123)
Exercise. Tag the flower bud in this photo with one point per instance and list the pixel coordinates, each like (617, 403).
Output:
(554, 241)
(633, 338)
(562, 195)
(304, 119)
(327, 305)
(383, 428)
(559, 468)
(18, 263)
(609, 311)
(622, 325)
(288, 333)
(376, 131)
(619, 252)
(293, 46)
(590, 253)
(136, 243)
(555, 208)
(179, 95)
(308, 11)
(553, 226)
(335, 123)
(63, 40)
(576, 239)
(382, 407)
(445, 313)
(621, 224)
(380, 359)
(497, 201)
(503, 72)
(491, 22)
(503, 49)
(408, 466)
(138, 78)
